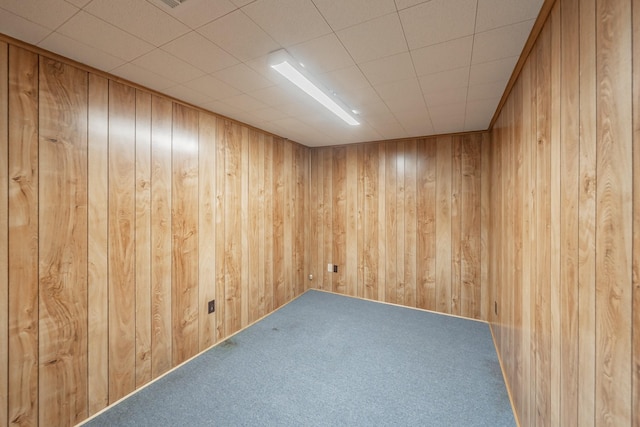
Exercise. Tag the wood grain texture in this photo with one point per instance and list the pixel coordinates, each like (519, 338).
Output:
(278, 201)
(122, 359)
(4, 229)
(143, 238)
(456, 222)
(569, 160)
(161, 330)
(107, 279)
(207, 234)
(184, 227)
(371, 259)
(635, 396)
(351, 225)
(443, 224)
(221, 142)
(62, 379)
(587, 216)
(23, 237)
(410, 222)
(426, 225)
(339, 210)
(98, 232)
(614, 213)
(399, 160)
(391, 222)
(256, 240)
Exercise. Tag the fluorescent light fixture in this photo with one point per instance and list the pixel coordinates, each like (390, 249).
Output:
(282, 63)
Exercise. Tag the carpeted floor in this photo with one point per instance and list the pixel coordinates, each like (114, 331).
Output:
(331, 360)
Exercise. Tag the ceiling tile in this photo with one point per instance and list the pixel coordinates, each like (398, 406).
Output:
(498, 13)
(447, 118)
(389, 69)
(196, 13)
(443, 56)
(168, 66)
(455, 95)
(438, 21)
(279, 95)
(239, 35)
(445, 80)
(80, 52)
(378, 38)
(212, 87)
(322, 54)
(360, 98)
(387, 126)
(96, 33)
(19, 28)
(341, 14)
(243, 78)
(48, 13)
(494, 71)
(479, 113)
(139, 18)
(403, 4)
(486, 91)
(186, 94)
(78, 3)
(402, 96)
(244, 102)
(288, 21)
(224, 109)
(345, 79)
(268, 114)
(501, 42)
(142, 77)
(200, 52)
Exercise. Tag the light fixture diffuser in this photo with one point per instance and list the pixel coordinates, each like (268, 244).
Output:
(283, 64)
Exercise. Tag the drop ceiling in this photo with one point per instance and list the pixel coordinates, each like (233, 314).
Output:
(408, 67)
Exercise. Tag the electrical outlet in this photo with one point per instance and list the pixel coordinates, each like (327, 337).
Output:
(330, 268)
(495, 307)
(335, 268)
(212, 306)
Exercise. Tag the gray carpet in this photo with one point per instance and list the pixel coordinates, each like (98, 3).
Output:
(330, 360)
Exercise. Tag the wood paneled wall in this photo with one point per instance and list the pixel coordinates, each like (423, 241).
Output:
(122, 214)
(565, 220)
(403, 221)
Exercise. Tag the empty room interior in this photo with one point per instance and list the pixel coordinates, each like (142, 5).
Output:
(167, 188)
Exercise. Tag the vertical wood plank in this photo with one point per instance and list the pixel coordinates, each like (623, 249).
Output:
(543, 217)
(244, 216)
(220, 216)
(485, 221)
(62, 378)
(569, 198)
(426, 226)
(555, 202)
(143, 238)
(268, 224)
(184, 226)
(410, 222)
(278, 223)
(233, 231)
(4, 226)
(287, 222)
(122, 359)
(443, 224)
(23, 237)
(371, 218)
(399, 160)
(263, 186)
(206, 227)
(390, 222)
(301, 213)
(255, 213)
(470, 193)
(587, 216)
(339, 208)
(456, 217)
(315, 224)
(635, 396)
(327, 220)
(161, 235)
(382, 226)
(360, 219)
(351, 220)
(98, 229)
(614, 213)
